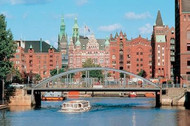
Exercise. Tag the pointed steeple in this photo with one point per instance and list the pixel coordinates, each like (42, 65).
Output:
(75, 28)
(62, 28)
(159, 21)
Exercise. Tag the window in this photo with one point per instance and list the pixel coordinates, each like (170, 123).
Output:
(137, 53)
(188, 63)
(184, 18)
(188, 35)
(128, 56)
(188, 46)
(17, 56)
(141, 53)
(113, 57)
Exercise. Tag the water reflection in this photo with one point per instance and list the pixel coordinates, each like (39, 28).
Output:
(4, 120)
(134, 119)
(20, 108)
(183, 118)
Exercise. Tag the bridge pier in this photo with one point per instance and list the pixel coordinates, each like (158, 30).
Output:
(158, 104)
(37, 97)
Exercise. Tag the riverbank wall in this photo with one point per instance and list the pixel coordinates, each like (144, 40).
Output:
(175, 97)
(21, 98)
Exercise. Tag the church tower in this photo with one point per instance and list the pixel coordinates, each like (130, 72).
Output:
(62, 38)
(75, 31)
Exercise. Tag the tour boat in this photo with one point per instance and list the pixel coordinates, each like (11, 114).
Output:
(53, 96)
(132, 94)
(75, 106)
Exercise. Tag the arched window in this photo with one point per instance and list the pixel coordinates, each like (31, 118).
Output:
(188, 35)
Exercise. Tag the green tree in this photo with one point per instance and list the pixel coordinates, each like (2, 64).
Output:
(142, 73)
(7, 50)
(55, 71)
(93, 73)
(38, 77)
(16, 76)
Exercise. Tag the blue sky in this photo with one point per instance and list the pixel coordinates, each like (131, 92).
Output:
(35, 19)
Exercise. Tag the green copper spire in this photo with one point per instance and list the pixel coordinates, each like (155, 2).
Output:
(107, 42)
(75, 28)
(78, 42)
(62, 27)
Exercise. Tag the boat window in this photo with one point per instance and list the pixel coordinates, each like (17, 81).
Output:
(80, 105)
(75, 105)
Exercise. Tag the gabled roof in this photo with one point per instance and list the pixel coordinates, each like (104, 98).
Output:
(186, 6)
(159, 21)
(36, 46)
(84, 41)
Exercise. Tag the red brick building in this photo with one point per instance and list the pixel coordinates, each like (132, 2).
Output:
(163, 50)
(182, 24)
(36, 57)
(130, 55)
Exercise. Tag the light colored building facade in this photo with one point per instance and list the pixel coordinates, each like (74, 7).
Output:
(81, 51)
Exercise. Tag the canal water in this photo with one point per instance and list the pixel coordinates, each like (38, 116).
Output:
(104, 112)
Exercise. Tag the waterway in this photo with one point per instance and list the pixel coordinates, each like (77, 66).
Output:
(104, 112)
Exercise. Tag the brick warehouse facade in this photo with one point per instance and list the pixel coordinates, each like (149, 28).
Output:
(36, 57)
(130, 55)
(155, 57)
(182, 24)
(163, 50)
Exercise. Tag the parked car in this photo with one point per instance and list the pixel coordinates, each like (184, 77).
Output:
(17, 85)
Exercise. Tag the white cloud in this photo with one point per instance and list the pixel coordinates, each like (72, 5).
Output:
(110, 28)
(133, 15)
(147, 29)
(81, 2)
(70, 15)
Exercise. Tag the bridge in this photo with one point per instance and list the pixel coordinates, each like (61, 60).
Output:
(64, 82)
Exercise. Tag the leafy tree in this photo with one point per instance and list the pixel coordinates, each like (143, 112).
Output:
(54, 71)
(38, 77)
(142, 73)
(7, 50)
(16, 76)
(93, 73)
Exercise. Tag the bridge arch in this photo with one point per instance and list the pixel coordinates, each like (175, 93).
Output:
(93, 68)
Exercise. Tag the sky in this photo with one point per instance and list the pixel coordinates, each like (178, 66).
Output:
(35, 19)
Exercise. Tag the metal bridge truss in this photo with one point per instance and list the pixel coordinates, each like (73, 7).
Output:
(88, 81)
